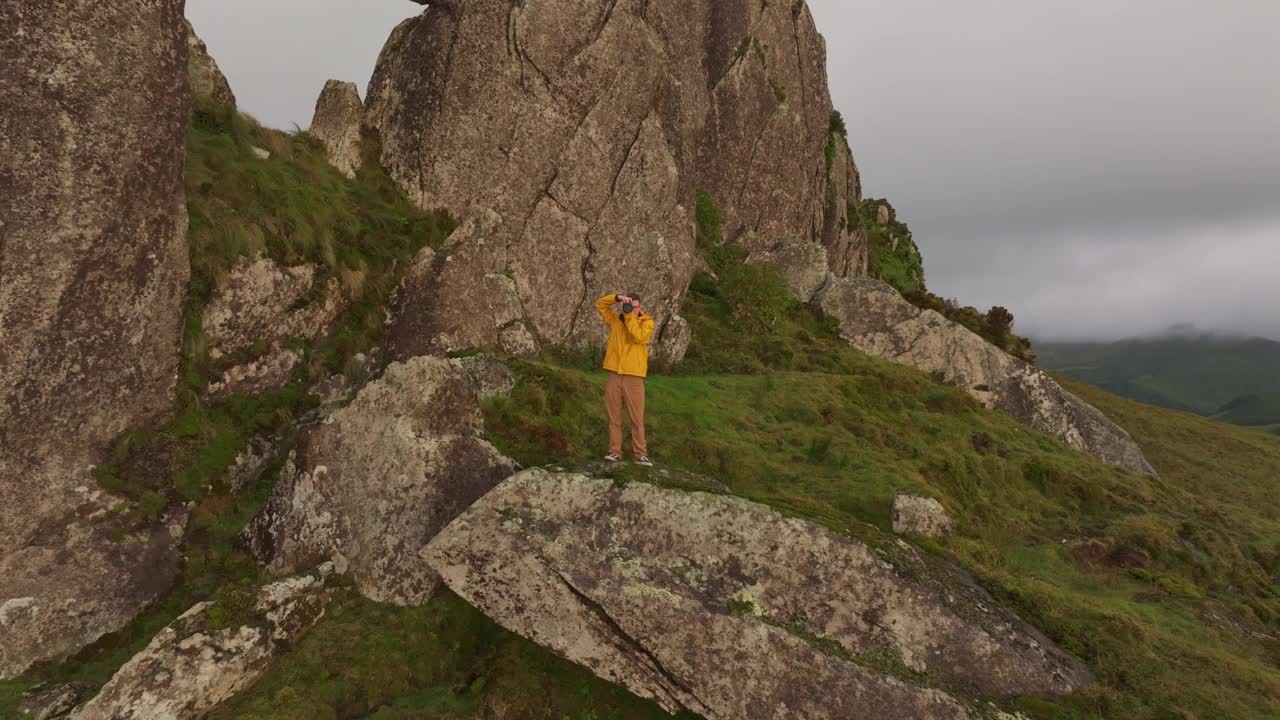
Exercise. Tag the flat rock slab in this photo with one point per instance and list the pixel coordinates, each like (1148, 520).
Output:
(729, 609)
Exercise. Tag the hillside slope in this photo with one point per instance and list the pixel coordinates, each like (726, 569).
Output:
(1165, 587)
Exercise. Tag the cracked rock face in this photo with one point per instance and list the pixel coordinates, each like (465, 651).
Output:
(588, 126)
(260, 303)
(471, 294)
(877, 320)
(336, 124)
(93, 274)
(207, 81)
(193, 664)
(372, 484)
(729, 609)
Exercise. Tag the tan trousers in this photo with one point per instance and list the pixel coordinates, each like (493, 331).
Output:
(628, 388)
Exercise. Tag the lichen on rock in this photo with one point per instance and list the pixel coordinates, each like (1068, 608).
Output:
(921, 516)
(208, 84)
(201, 660)
(260, 304)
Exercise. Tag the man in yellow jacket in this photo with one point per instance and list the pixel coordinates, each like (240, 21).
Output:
(627, 360)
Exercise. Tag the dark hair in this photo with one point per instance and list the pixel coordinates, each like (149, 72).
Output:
(633, 296)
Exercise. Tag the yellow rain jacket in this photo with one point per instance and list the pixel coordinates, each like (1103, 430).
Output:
(628, 351)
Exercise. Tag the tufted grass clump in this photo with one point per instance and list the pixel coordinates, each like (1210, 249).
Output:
(233, 605)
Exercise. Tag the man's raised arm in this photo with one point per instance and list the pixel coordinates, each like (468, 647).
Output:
(604, 306)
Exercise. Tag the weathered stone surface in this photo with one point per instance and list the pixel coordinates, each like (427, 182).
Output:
(920, 516)
(337, 123)
(803, 266)
(261, 300)
(98, 569)
(848, 250)
(207, 81)
(461, 299)
(877, 320)
(272, 370)
(257, 308)
(672, 344)
(731, 610)
(94, 106)
(193, 664)
(379, 478)
(52, 702)
(588, 128)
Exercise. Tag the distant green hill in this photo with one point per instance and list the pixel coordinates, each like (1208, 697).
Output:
(1236, 380)
(1255, 409)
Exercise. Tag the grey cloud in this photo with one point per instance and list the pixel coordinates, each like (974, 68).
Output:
(1098, 167)
(277, 54)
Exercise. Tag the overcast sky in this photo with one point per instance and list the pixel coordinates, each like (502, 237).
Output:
(1101, 168)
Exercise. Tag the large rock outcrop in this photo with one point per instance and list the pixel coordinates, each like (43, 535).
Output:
(94, 107)
(337, 124)
(877, 320)
(588, 127)
(731, 610)
(375, 482)
(209, 654)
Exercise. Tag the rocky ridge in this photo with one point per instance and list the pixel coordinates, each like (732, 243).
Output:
(93, 274)
(726, 608)
(877, 320)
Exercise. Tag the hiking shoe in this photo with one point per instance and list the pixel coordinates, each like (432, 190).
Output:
(644, 460)
(613, 457)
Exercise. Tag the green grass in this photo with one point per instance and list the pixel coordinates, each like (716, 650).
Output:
(895, 258)
(1166, 587)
